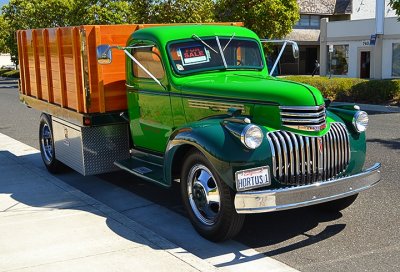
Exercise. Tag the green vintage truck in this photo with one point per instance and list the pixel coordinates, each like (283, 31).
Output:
(202, 110)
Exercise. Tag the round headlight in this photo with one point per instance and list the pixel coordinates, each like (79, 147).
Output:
(252, 136)
(360, 121)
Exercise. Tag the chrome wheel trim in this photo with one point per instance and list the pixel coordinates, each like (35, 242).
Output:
(46, 141)
(203, 194)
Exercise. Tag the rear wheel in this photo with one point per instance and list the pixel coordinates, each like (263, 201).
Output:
(209, 202)
(46, 142)
(338, 204)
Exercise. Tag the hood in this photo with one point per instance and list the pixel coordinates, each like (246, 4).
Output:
(252, 89)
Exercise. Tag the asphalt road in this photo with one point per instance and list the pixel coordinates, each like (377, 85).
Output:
(364, 237)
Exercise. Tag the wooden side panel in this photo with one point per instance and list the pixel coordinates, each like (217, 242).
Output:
(47, 58)
(53, 64)
(40, 65)
(107, 82)
(20, 46)
(30, 52)
(68, 75)
(77, 67)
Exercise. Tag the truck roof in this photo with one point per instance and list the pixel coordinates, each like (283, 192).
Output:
(164, 34)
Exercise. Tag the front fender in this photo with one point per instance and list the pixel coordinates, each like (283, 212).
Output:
(219, 145)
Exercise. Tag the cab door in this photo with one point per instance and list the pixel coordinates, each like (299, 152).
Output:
(149, 104)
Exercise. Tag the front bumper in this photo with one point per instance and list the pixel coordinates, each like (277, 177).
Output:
(295, 197)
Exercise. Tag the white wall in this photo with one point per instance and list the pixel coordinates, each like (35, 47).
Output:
(392, 26)
(357, 34)
(364, 9)
(341, 29)
(5, 59)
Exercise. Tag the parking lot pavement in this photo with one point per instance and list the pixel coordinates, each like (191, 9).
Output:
(47, 225)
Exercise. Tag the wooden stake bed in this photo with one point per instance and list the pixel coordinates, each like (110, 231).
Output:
(59, 66)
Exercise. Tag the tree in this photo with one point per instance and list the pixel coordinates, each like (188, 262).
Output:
(182, 11)
(3, 35)
(28, 14)
(268, 18)
(395, 4)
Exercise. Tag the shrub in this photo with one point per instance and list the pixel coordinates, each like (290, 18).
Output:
(354, 89)
(10, 73)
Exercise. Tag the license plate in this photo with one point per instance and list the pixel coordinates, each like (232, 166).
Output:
(252, 178)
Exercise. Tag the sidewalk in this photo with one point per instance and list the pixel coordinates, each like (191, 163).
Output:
(371, 108)
(47, 225)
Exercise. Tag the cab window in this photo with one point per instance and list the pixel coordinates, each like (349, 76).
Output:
(150, 58)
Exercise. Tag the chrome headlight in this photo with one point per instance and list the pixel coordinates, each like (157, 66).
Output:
(360, 121)
(252, 136)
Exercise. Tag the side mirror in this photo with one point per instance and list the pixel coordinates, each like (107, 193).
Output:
(295, 50)
(103, 53)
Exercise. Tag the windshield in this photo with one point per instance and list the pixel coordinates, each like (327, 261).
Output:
(215, 53)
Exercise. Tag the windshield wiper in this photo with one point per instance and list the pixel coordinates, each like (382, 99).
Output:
(222, 53)
(203, 42)
(229, 42)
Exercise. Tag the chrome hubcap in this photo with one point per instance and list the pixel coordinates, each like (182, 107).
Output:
(203, 193)
(46, 141)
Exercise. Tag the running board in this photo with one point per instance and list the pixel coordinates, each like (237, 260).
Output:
(145, 170)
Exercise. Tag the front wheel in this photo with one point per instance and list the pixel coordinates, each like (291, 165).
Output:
(209, 202)
(46, 142)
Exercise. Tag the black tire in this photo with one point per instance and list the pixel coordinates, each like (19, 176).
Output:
(337, 205)
(46, 143)
(212, 215)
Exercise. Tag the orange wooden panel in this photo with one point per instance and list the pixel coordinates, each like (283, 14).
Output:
(46, 47)
(21, 62)
(36, 53)
(61, 68)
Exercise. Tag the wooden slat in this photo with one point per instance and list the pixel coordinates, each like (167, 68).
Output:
(26, 63)
(36, 64)
(21, 62)
(46, 46)
(102, 104)
(61, 69)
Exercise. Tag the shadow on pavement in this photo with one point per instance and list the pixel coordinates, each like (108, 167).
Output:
(31, 188)
(160, 210)
(392, 144)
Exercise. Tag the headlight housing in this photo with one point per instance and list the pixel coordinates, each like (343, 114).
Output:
(360, 121)
(252, 136)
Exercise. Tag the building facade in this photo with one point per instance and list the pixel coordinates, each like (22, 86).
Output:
(311, 30)
(353, 49)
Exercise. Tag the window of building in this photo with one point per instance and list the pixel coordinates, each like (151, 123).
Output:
(308, 21)
(339, 60)
(396, 60)
(149, 57)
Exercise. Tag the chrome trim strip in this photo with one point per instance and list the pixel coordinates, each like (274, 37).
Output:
(305, 108)
(300, 196)
(303, 121)
(273, 155)
(303, 114)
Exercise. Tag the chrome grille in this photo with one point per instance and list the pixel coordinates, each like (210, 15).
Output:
(304, 118)
(299, 160)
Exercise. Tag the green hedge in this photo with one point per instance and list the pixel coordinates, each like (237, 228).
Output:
(354, 89)
(9, 73)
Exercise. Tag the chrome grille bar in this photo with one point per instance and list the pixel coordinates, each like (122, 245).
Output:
(304, 118)
(299, 160)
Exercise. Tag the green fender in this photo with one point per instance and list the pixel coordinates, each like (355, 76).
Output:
(218, 141)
